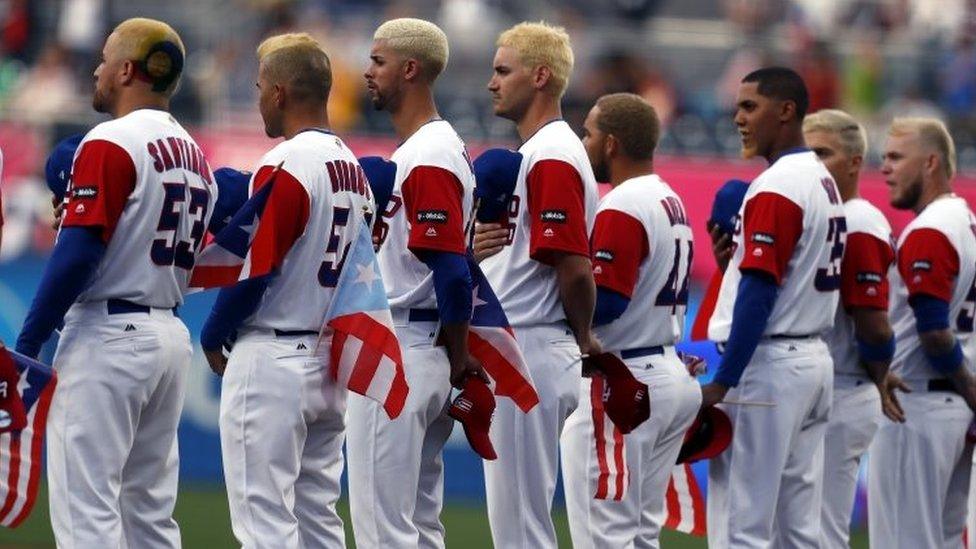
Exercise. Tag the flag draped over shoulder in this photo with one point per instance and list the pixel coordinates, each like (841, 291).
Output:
(20, 449)
(492, 342)
(364, 352)
(684, 504)
(230, 256)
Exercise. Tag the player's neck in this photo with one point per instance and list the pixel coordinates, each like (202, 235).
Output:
(414, 111)
(932, 192)
(625, 169)
(791, 138)
(541, 111)
(847, 190)
(128, 103)
(294, 124)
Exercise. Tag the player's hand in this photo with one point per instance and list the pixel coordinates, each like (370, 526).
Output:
(489, 239)
(217, 360)
(58, 206)
(712, 394)
(890, 405)
(721, 246)
(589, 345)
(460, 370)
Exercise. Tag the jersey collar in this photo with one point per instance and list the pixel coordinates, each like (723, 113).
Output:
(554, 120)
(317, 130)
(791, 150)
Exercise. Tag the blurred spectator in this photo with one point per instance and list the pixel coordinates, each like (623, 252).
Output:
(819, 71)
(862, 75)
(48, 91)
(15, 16)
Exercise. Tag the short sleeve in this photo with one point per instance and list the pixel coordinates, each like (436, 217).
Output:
(864, 272)
(432, 198)
(619, 247)
(282, 222)
(771, 227)
(103, 177)
(556, 210)
(928, 264)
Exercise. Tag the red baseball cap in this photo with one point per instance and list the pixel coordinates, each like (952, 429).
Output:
(13, 416)
(626, 401)
(473, 408)
(709, 435)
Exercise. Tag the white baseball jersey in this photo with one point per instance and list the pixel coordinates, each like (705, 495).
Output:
(936, 257)
(868, 256)
(319, 201)
(791, 226)
(642, 249)
(429, 209)
(144, 177)
(552, 211)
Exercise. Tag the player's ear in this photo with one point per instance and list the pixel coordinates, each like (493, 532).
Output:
(279, 94)
(127, 73)
(856, 161)
(787, 111)
(611, 146)
(411, 70)
(541, 76)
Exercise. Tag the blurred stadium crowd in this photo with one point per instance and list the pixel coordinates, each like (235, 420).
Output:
(870, 57)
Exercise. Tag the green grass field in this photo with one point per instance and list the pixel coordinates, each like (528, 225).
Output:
(203, 517)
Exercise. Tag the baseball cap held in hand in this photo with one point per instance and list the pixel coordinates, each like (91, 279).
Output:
(709, 435)
(473, 408)
(625, 400)
(13, 416)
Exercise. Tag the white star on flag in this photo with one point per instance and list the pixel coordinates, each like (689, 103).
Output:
(366, 275)
(475, 300)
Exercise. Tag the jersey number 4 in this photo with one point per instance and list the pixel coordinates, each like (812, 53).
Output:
(675, 290)
(180, 253)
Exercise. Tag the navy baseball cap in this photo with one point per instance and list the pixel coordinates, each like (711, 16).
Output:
(727, 202)
(57, 170)
(381, 174)
(232, 189)
(496, 171)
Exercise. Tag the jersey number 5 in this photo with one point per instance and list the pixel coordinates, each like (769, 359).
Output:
(828, 278)
(180, 253)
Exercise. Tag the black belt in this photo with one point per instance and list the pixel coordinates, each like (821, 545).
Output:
(627, 354)
(792, 336)
(423, 315)
(294, 333)
(123, 306)
(941, 385)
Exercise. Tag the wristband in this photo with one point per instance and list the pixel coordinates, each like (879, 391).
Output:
(948, 362)
(880, 352)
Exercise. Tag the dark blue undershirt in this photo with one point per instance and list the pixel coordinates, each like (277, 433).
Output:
(452, 285)
(610, 306)
(753, 304)
(233, 306)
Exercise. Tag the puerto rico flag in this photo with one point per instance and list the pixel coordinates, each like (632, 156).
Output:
(492, 341)
(683, 502)
(20, 449)
(364, 353)
(229, 256)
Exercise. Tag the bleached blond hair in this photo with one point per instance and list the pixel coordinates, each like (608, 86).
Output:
(933, 134)
(542, 45)
(136, 36)
(417, 39)
(297, 61)
(852, 135)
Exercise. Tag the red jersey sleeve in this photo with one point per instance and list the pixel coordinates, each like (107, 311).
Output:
(928, 264)
(556, 210)
(432, 197)
(102, 178)
(619, 246)
(283, 220)
(864, 272)
(771, 227)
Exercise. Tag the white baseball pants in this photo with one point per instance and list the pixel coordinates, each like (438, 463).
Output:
(281, 434)
(633, 479)
(919, 472)
(764, 490)
(396, 471)
(520, 484)
(112, 459)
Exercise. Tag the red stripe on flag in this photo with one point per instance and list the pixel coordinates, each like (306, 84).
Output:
(509, 381)
(39, 426)
(673, 506)
(697, 502)
(699, 329)
(371, 332)
(338, 342)
(596, 400)
(397, 397)
(365, 368)
(13, 476)
(618, 457)
(212, 276)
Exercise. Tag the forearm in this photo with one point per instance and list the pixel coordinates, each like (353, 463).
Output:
(753, 305)
(233, 306)
(455, 338)
(577, 292)
(73, 262)
(875, 341)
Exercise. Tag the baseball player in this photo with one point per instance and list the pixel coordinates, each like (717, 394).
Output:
(641, 249)
(778, 295)
(140, 200)
(920, 469)
(542, 275)
(395, 467)
(861, 342)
